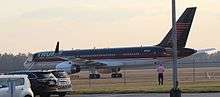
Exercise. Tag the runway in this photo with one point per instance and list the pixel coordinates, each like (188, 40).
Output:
(148, 95)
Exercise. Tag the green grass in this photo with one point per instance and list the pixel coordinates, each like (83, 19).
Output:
(187, 87)
(145, 81)
(201, 87)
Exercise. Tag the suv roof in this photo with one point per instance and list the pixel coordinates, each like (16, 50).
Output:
(31, 71)
(13, 76)
(35, 73)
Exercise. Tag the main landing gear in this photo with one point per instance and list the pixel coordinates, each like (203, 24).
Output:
(116, 75)
(94, 76)
(93, 73)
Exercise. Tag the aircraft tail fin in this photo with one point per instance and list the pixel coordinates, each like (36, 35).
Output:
(183, 26)
(57, 48)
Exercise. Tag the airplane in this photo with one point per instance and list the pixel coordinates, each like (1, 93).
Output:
(111, 60)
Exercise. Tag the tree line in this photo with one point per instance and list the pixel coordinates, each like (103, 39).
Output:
(10, 62)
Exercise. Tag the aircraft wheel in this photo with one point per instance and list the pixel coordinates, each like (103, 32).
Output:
(91, 76)
(117, 75)
(97, 76)
(94, 76)
(113, 75)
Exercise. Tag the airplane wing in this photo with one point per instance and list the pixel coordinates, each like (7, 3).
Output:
(101, 64)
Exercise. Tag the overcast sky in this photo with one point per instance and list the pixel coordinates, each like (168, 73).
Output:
(36, 25)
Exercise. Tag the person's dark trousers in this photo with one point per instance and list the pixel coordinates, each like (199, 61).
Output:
(160, 78)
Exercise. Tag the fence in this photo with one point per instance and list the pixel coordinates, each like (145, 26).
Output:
(143, 78)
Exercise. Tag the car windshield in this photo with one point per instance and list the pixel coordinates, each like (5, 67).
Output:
(60, 74)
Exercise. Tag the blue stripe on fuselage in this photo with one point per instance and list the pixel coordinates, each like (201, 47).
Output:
(108, 53)
(114, 53)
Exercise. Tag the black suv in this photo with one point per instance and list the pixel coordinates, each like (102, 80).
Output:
(43, 82)
(63, 82)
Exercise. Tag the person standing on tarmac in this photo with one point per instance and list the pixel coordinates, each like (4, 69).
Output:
(160, 71)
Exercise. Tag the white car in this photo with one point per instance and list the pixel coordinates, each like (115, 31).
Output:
(21, 84)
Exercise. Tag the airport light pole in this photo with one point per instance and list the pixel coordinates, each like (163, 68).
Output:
(174, 92)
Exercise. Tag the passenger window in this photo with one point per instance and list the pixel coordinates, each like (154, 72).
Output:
(3, 82)
(19, 81)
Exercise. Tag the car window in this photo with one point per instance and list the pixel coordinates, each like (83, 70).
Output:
(3, 82)
(19, 81)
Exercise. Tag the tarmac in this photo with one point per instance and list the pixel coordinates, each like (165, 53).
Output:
(147, 95)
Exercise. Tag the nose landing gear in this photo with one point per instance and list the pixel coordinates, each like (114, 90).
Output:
(94, 76)
(116, 75)
(93, 73)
